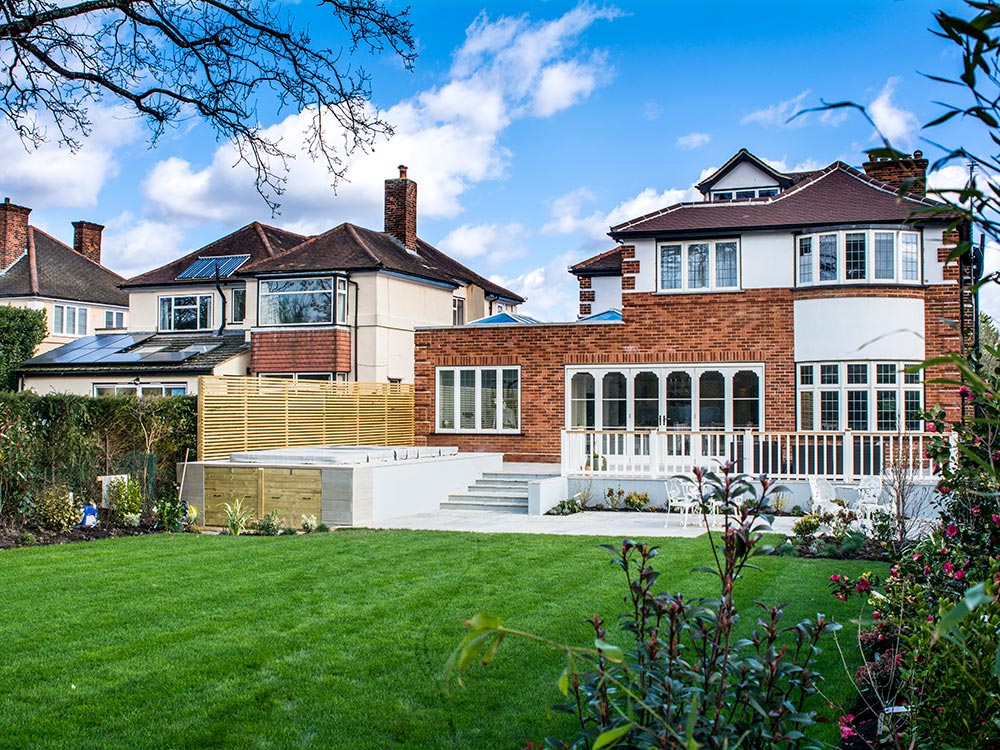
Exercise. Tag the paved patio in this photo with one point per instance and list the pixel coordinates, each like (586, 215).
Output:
(589, 523)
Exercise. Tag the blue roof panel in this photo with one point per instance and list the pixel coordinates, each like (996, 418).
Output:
(204, 268)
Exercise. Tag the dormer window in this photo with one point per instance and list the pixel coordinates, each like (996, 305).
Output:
(744, 194)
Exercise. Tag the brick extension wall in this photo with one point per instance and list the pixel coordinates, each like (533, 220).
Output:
(305, 350)
(753, 326)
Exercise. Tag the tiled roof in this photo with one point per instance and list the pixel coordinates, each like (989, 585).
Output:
(257, 240)
(838, 194)
(104, 353)
(784, 180)
(352, 248)
(608, 263)
(61, 273)
(457, 271)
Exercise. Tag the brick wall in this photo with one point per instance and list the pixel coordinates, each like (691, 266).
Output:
(754, 326)
(13, 233)
(87, 239)
(401, 209)
(306, 350)
(896, 172)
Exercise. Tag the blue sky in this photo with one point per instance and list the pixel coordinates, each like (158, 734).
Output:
(530, 127)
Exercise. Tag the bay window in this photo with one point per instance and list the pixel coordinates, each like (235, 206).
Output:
(873, 256)
(479, 399)
(308, 301)
(696, 266)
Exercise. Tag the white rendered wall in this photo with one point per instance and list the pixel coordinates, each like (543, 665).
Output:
(745, 175)
(645, 253)
(607, 293)
(859, 328)
(767, 260)
(84, 385)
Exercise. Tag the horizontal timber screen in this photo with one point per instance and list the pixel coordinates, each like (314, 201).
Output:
(246, 414)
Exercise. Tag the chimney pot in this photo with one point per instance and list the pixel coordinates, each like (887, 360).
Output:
(402, 171)
(909, 172)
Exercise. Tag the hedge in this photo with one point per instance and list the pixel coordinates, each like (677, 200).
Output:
(71, 440)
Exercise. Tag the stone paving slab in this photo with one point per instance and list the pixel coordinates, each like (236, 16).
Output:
(589, 523)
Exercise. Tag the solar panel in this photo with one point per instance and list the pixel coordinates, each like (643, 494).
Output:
(204, 268)
(90, 349)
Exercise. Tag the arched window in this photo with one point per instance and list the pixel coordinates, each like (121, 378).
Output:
(746, 400)
(646, 400)
(712, 401)
(613, 401)
(679, 401)
(581, 400)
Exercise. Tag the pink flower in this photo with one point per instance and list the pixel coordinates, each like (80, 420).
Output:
(948, 568)
(930, 618)
(927, 569)
(944, 489)
(835, 578)
(959, 575)
(951, 529)
(876, 615)
(930, 427)
(966, 393)
(846, 730)
(996, 518)
(862, 585)
(975, 511)
(841, 596)
(916, 556)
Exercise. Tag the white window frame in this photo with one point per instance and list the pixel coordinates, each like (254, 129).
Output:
(208, 324)
(685, 287)
(746, 193)
(871, 386)
(898, 275)
(456, 402)
(114, 319)
(457, 311)
(238, 291)
(341, 302)
(80, 315)
(100, 389)
(338, 300)
(304, 377)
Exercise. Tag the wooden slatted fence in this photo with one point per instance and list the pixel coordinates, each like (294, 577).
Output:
(244, 414)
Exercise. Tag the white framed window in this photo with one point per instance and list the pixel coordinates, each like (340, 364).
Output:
(457, 311)
(114, 319)
(859, 396)
(140, 390)
(188, 312)
(239, 304)
(478, 399)
(699, 266)
(296, 301)
(305, 377)
(342, 300)
(744, 194)
(858, 256)
(69, 320)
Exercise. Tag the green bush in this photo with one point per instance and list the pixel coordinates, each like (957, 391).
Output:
(54, 509)
(126, 500)
(806, 526)
(269, 524)
(636, 501)
(309, 524)
(322, 529)
(238, 518)
(289, 531)
(565, 508)
(21, 331)
(26, 538)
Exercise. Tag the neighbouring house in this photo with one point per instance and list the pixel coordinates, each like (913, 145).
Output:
(770, 323)
(341, 305)
(37, 271)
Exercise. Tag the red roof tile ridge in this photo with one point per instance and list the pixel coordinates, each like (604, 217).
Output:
(249, 267)
(353, 231)
(263, 239)
(32, 263)
(606, 253)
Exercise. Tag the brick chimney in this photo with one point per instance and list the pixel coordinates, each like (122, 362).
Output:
(13, 233)
(87, 240)
(897, 171)
(401, 210)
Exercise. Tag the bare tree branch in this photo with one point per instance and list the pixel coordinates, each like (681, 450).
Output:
(217, 60)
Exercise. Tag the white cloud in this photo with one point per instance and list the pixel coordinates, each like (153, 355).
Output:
(449, 136)
(565, 211)
(651, 111)
(779, 115)
(809, 165)
(552, 293)
(896, 124)
(133, 245)
(693, 141)
(491, 243)
(54, 176)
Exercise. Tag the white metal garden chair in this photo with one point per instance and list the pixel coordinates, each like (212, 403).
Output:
(870, 498)
(683, 497)
(823, 496)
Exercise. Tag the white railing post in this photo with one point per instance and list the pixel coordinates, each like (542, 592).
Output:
(696, 446)
(654, 452)
(748, 452)
(848, 456)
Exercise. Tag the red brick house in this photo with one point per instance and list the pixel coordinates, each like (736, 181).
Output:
(770, 323)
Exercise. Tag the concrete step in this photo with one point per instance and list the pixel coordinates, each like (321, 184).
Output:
(476, 495)
(500, 485)
(520, 477)
(502, 506)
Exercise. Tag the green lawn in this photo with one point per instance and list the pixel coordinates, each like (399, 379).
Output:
(321, 641)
